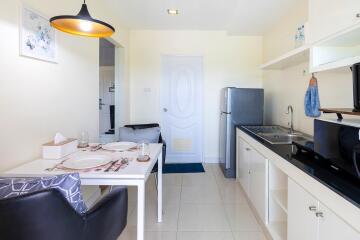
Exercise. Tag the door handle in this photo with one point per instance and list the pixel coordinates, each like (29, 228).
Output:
(101, 104)
(319, 214)
(165, 109)
(312, 208)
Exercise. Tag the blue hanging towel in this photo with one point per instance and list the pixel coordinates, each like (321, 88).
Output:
(312, 101)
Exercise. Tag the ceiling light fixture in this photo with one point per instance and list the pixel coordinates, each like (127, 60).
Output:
(82, 24)
(173, 11)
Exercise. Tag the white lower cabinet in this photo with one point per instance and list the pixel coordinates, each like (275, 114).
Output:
(253, 176)
(302, 222)
(287, 210)
(258, 183)
(243, 165)
(331, 227)
(309, 219)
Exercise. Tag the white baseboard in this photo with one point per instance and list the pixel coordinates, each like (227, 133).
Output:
(211, 160)
(177, 161)
(205, 160)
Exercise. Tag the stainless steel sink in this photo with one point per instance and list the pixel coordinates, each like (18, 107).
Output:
(279, 138)
(277, 134)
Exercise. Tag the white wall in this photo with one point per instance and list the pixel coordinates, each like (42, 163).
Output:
(38, 98)
(228, 61)
(288, 86)
(280, 38)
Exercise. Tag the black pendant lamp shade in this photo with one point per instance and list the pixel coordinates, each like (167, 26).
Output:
(82, 24)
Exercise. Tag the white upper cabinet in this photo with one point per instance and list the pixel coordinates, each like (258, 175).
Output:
(334, 31)
(327, 17)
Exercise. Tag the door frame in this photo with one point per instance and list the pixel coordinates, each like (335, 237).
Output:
(201, 93)
(120, 86)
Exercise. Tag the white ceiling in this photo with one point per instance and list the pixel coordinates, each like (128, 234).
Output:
(238, 17)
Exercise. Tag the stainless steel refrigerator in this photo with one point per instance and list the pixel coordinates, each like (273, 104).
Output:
(238, 106)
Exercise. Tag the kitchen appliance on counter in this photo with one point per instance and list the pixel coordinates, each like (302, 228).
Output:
(337, 145)
(238, 106)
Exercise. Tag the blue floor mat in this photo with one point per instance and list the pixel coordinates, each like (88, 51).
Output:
(183, 168)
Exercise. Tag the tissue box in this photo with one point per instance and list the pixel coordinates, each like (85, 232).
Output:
(57, 151)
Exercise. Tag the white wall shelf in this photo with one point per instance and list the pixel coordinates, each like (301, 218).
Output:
(292, 58)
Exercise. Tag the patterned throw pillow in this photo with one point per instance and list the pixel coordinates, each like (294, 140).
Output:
(67, 184)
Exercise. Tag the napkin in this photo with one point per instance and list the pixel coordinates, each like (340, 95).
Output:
(59, 138)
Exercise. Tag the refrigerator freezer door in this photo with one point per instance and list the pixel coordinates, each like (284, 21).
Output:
(247, 106)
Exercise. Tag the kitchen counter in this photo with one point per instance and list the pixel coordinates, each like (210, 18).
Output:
(342, 185)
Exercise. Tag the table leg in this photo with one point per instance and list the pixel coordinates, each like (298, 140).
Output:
(141, 211)
(160, 187)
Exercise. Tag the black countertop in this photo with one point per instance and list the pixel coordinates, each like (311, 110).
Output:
(346, 187)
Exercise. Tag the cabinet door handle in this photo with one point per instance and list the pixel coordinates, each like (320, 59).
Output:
(312, 208)
(358, 15)
(319, 214)
(247, 149)
(249, 172)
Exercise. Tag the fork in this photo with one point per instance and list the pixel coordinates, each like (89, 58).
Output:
(123, 161)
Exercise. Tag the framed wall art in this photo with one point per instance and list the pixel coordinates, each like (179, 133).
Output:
(37, 37)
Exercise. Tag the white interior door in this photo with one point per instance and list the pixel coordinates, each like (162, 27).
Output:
(181, 100)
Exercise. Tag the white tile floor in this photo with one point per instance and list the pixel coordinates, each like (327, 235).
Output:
(201, 206)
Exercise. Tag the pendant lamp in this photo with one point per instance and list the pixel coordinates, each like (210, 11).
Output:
(82, 24)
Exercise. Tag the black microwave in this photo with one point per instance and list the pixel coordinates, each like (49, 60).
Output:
(339, 145)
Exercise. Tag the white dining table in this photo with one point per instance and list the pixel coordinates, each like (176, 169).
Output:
(135, 174)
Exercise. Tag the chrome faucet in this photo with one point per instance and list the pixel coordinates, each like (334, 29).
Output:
(290, 111)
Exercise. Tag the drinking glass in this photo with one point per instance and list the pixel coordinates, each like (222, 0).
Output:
(83, 139)
(144, 151)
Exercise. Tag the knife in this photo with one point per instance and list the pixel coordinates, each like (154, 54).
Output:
(111, 165)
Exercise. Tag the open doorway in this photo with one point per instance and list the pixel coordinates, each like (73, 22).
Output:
(107, 91)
